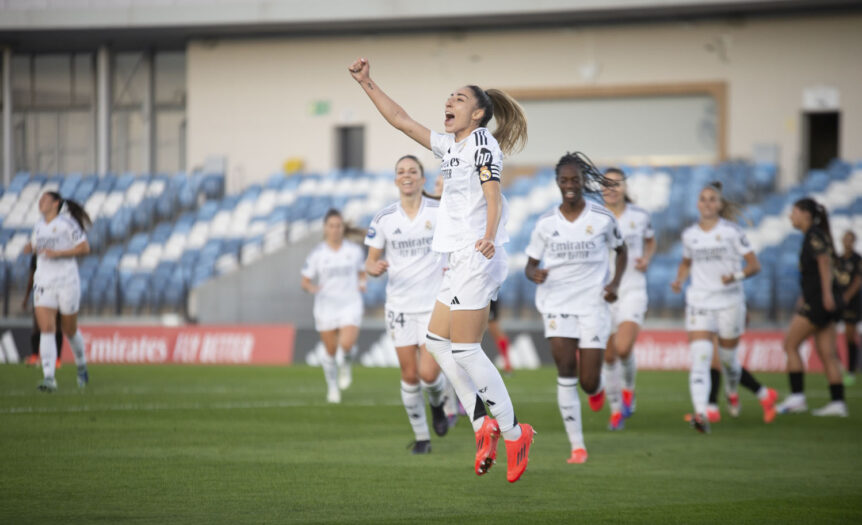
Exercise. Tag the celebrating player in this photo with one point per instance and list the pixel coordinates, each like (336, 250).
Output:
(403, 231)
(817, 311)
(574, 241)
(715, 302)
(471, 232)
(334, 272)
(628, 311)
(57, 239)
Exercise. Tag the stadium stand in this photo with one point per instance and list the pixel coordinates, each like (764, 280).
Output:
(156, 237)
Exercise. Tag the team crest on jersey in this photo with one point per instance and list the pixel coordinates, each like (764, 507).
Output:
(632, 224)
(717, 237)
(589, 229)
(484, 174)
(428, 225)
(552, 325)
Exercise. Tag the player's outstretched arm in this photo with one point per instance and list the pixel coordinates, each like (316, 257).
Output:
(391, 111)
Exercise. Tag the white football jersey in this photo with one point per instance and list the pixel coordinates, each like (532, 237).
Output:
(576, 255)
(635, 227)
(463, 210)
(714, 253)
(336, 273)
(62, 233)
(415, 271)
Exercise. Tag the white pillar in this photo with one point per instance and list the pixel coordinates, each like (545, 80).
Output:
(8, 164)
(103, 110)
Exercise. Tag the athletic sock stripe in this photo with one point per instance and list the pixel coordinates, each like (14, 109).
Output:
(435, 338)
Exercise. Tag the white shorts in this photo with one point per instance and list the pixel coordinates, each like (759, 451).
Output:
(348, 315)
(472, 281)
(407, 329)
(64, 296)
(631, 307)
(728, 323)
(592, 329)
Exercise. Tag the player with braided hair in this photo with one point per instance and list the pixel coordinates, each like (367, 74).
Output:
(574, 286)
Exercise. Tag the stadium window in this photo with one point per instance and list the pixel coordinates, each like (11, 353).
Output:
(170, 109)
(351, 147)
(53, 113)
(821, 137)
(128, 88)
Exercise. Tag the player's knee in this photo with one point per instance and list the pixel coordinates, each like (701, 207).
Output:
(409, 376)
(428, 376)
(590, 383)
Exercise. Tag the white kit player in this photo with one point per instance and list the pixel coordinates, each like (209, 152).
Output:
(470, 232)
(334, 272)
(57, 239)
(629, 310)
(713, 251)
(574, 243)
(402, 232)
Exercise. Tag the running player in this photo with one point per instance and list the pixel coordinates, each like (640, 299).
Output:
(574, 241)
(57, 239)
(715, 301)
(471, 232)
(403, 231)
(817, 311)
(628, 311)
(848, 277)
(334, 272)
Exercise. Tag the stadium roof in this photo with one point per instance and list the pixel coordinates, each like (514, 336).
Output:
(68, 24)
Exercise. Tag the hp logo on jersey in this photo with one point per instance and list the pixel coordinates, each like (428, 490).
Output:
(484, 157)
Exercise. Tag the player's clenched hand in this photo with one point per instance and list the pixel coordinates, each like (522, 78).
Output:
(360, 70)
(537, 275)
(485, 247)
(377, 269)
(611, 293)
(641, 264)
(676, 286)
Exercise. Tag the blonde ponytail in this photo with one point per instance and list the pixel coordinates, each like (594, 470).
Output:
(511, 132)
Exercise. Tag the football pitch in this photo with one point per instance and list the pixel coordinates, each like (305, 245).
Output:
(186, 444)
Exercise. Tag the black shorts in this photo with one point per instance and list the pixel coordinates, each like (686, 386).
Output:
(819, 316)
(493, 312)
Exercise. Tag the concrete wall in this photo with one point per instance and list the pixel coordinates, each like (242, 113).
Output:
(244, 296)
(250, 99)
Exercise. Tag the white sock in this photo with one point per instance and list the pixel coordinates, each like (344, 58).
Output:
(490, 385)
(763, 392)
(330, 369)
(77, 344)
(731, 368)
(414, 404)
(436, 390)
(698, 378)
(629, 369)
(611, 377)
(48, 353)
(464, 387)
(570, 410)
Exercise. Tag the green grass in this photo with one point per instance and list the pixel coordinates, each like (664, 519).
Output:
(184, 444)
